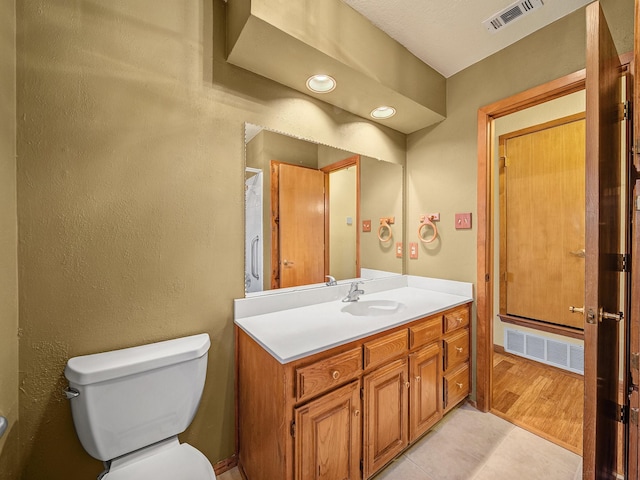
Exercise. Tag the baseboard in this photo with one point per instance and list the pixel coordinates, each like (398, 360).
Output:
(226, 464)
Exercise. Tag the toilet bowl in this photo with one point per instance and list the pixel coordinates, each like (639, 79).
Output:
(129, 406)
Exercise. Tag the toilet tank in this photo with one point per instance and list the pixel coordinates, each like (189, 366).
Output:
(130, 398)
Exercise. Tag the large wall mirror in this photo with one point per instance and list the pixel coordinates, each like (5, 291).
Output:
(313, 210)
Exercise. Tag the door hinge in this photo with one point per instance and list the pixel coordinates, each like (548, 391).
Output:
(362, 393)
(627, 110)
(486, 277)
(635, 360)
(506, 161)
(361, 465)
(623, 414)
(623, 263)
(292, 430)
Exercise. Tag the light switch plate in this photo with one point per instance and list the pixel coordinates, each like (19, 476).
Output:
(366, 225)
(463, 221)
(413, 250)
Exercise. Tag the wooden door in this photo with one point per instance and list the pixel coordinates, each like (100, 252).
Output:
(301, 223)
(633, 444)
(386, 420)
(634, 317)
(327, 441)
(426, 396)
(542, 214)
(603, 206)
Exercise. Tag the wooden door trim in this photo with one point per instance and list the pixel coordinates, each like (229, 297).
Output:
(275, 229)
(484, 284)
(484, 298)
(339, 165)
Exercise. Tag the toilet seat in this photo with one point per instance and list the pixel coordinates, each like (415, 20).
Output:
(168, 460)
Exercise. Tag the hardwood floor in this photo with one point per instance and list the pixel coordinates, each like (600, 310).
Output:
(545, 400)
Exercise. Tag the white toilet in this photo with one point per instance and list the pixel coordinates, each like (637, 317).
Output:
(130, 405)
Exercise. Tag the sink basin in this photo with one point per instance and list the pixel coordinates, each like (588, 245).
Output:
(373, 308)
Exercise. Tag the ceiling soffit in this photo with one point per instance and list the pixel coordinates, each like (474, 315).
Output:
(290, 41)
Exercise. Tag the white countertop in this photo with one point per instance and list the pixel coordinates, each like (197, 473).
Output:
(293, 325)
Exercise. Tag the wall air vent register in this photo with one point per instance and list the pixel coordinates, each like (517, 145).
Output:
(510, 14)
(565, 355)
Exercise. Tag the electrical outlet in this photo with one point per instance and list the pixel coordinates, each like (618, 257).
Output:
(399, 249)
(366, 225)
(413, 250)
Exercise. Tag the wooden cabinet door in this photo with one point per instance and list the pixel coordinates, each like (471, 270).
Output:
(426, 397)
(386, 415)
(327, 436)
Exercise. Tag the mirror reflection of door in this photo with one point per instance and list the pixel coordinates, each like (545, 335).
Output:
(314, 223)
(342, 255)
(300, 219)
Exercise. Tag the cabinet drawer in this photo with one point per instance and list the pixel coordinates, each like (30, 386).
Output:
(426, 332)
(458, 318)
(385, 348)
(456, 349)
(456, 385)
(324, 374)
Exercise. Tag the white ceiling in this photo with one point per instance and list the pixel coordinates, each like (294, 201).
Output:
(448, 35)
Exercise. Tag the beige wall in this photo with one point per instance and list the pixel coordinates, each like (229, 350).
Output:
(342, 206)
(381, 195)
(8, 242)
(130, 187)
(442, 160)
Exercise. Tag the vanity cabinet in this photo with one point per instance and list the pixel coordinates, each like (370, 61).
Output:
(386, 404)
(327, 436)
(426, 393)
(456, 354)
(346, 412)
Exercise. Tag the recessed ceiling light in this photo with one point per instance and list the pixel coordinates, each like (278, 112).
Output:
(383, 112)
(321, 83)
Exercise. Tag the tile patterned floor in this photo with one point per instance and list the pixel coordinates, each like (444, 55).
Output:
(471, 445)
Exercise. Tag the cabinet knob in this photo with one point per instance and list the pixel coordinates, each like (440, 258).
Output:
(407, 384)
(459, 349)
(335, 374)
(459, 320)
(459, 385)
(356, 413)
(418, 379)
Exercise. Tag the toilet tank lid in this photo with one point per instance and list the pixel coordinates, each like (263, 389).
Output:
(100, 367)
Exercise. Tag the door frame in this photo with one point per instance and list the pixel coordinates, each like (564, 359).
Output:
(485, 207)
(353, 161)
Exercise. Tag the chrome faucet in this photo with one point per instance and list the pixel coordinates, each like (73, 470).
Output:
(332, 280)
(354, 293)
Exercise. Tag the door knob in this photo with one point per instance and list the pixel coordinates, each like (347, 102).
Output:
(611, 316)
(286, 262)
(591, 315)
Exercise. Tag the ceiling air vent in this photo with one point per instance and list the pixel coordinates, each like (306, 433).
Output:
(511, 14)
